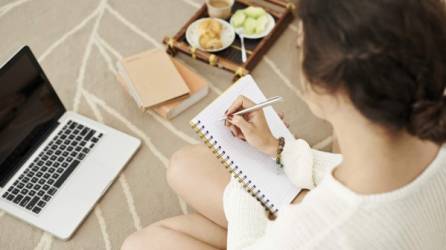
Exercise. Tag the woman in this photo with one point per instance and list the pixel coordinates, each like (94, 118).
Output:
(376, 71)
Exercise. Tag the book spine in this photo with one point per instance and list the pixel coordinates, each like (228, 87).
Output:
(122, 71)
(232, 167)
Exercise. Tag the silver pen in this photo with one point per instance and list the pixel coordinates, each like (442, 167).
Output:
(260, 105)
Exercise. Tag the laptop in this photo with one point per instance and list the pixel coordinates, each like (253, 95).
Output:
(54, 164)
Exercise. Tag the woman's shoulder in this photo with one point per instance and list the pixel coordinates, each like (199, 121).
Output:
(330, 215)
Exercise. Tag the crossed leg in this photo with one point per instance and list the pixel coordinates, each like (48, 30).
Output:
(195, 175)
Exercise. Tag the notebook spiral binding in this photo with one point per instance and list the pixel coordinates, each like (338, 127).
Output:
(233, 169)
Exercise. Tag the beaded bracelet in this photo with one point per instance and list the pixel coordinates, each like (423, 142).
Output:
(279, 152)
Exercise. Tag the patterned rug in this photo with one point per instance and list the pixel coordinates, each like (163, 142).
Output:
(78, 43)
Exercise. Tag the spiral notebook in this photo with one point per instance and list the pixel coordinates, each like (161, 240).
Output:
(256, 172)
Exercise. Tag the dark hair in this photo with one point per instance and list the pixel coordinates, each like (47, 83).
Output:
(388, 56)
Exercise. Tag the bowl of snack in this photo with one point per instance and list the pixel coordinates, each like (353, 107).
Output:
(252, 22)
(210, 34)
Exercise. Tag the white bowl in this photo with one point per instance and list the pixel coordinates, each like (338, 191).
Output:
(269, 26)
(193, 34)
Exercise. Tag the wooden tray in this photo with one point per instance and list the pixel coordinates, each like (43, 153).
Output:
(230, 58)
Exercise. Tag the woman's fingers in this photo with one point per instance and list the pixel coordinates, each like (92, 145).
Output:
(242, 124)
(237, 133)
(241, 102)
(233, 129)
(241, 137)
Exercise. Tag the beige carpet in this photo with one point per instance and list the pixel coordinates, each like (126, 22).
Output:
(78, 43)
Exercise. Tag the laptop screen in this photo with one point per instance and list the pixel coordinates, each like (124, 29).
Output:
(29, 109)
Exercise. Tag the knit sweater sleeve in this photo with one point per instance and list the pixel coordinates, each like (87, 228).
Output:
(304, 166)
(246, 217)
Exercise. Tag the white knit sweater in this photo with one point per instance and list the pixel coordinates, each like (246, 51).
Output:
(333, 217)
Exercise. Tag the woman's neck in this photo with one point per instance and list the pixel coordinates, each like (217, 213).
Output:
(376, 162)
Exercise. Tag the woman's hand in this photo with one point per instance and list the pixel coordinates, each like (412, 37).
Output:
(251, 127)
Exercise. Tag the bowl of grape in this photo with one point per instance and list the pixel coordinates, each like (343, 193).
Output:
(252, 22)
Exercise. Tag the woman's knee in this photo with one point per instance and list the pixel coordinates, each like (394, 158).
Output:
(135, 241)
(181, 162)
(143, 239)
(132, 242)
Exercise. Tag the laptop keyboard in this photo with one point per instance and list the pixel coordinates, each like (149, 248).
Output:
(45, 175)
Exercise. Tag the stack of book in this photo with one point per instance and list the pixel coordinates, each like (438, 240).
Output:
(158, 82)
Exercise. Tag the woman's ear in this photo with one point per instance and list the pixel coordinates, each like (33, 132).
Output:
(322, 104)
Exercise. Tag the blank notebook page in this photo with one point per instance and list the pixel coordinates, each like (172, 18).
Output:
(259, 170)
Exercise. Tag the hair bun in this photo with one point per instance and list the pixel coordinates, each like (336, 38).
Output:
(428, 120)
